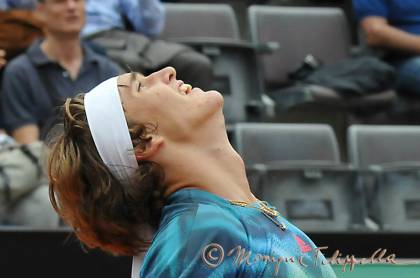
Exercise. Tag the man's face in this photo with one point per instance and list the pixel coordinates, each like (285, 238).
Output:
(63, 16)
(163, 100)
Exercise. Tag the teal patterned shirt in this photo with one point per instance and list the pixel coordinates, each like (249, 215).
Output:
(204, 235)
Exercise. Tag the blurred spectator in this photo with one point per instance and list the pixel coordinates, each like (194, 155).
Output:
(5, 140)
(19, 27)
(59, 66)
(17, 4)
(106, 26)
(24, 188)
(2, 63)
(2, 58)
(394, 26)
(24, 191)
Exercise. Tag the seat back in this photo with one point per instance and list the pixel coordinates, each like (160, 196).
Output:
(322, 32)
(212, 29)
(236, 76)
(262, 143)
(298, 170)
(397, 201)
(315, 199)
(373, 145)
(392, 154)
(186, 20)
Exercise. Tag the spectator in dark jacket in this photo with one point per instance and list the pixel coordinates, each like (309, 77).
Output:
(51, 70)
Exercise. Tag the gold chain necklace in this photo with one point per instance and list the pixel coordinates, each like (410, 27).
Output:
(270, 213)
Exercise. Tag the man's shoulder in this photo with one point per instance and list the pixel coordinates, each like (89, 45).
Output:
(108, 65)
(205, 219)
(104, 62)
(222, 214)
(18, 66)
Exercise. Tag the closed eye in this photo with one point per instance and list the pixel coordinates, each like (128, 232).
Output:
(134, 79)
(138, 86)
(134, 76)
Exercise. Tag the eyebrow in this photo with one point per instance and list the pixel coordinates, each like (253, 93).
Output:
(133, 75)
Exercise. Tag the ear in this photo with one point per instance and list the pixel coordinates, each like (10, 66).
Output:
(152, 148)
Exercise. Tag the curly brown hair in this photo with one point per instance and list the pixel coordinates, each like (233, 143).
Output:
(103, 212)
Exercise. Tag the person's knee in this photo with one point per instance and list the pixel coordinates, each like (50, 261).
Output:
(204, 62)
(195, 60)
(408, 77)
(194, 68)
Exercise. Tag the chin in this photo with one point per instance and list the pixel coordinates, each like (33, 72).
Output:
(217, 97)
(68, 32)
(211, 105)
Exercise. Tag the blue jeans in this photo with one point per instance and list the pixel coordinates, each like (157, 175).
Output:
(408, 76)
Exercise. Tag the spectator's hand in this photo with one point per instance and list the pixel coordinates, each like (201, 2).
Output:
(2, 58)
(5, 140)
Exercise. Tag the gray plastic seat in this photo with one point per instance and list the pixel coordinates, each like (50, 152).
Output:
(299, 31)
(297, 168)
(213, 30)
(263, 143)
(390, 157)
(188, 20)
(322, 32)
(381, 144)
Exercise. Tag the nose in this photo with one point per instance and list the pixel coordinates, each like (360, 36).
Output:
(165, 75)
(71, 4)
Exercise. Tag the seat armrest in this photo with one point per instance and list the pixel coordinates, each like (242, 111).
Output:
(300, 165)
(210, 41)
(260, 48)
(406, 166)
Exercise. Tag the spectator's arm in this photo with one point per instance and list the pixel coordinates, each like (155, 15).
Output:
(379, 33)
(2, 58)
(26, 134)
(17, 4)
(146, 16)
(17, 105)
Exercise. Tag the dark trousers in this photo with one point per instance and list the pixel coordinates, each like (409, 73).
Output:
(193, 68)
(408, 76)
(135, 52)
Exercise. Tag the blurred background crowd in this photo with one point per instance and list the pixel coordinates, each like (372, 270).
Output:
(322, 98)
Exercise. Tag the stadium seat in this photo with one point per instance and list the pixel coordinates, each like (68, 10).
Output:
(297, 168)
(390, 158)
(213, 30)
(299, 31)
(186, 20)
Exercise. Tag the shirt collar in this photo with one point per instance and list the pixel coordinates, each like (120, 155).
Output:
(192, 195)
(39, 58)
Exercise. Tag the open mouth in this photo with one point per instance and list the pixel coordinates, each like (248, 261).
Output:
(185, 88)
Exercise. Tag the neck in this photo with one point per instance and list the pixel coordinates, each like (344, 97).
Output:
(213, 166)
(66, 51)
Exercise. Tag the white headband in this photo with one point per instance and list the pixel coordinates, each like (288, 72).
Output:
(108, 126)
